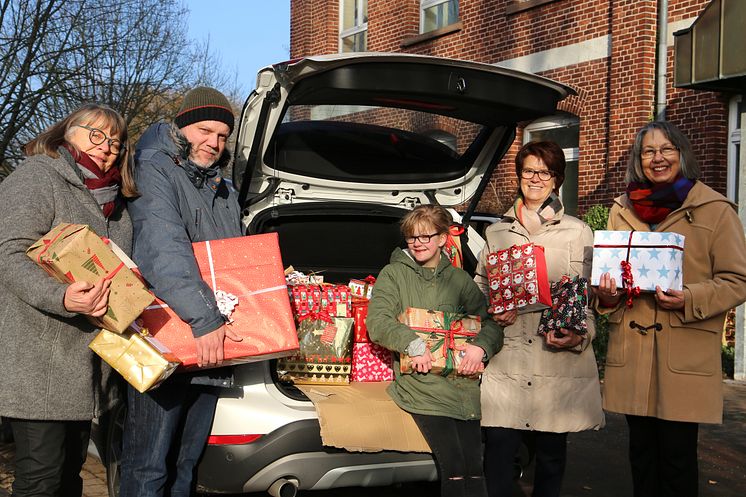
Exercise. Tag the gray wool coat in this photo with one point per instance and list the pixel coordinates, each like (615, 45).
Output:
(47, 371)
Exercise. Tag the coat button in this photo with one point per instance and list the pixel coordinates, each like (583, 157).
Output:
(529, 383)
(528, 425)
(530, 341)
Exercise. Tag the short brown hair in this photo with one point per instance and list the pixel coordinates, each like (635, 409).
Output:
(435, 215)
(57, 135)
(550, 154)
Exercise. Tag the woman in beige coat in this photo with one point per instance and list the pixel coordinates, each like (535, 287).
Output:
(663, 365)
(542, 386)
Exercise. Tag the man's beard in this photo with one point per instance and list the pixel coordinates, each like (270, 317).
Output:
(201, 163)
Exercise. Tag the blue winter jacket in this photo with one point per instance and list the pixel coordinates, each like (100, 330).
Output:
(179, 203)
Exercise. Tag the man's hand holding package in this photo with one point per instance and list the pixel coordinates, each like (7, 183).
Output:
(210, 346)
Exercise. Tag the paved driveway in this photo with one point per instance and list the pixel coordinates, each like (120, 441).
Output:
(597, 464)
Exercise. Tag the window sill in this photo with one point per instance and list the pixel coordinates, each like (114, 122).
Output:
(516, 6)
(431, 35)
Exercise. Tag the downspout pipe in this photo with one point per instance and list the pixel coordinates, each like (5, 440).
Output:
(661, 62)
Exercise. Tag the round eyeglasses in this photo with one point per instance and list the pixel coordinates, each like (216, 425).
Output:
(544, 175)
(97, 137)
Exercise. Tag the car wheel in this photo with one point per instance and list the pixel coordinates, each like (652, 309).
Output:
(114, 448)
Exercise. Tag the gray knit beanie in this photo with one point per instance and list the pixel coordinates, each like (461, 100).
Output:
(204, 104)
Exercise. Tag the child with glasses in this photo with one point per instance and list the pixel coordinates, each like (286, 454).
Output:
(446, 409)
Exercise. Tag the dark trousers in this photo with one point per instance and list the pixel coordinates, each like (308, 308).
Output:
(165, 432)
(501, 447)
(663, 456)
(49, 457)
(457, 449)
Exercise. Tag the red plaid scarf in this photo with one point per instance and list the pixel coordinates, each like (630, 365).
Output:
(104, 186)
(652, 203)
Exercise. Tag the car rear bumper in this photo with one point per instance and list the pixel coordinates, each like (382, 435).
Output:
(295, 452)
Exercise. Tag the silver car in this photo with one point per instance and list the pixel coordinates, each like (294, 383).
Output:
(331, 152)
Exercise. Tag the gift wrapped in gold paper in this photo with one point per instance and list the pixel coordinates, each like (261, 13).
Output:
(140, 359)
(73, 252)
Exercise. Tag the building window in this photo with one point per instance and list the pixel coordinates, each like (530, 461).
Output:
(737, 108)
(436, 14)
(353, 33)
(564, 129)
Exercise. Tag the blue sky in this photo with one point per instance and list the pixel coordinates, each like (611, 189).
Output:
(247, 34)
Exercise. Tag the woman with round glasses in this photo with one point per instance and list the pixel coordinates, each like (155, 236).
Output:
(539, 387)
(51, 384)
(663, 366)
(446, 409)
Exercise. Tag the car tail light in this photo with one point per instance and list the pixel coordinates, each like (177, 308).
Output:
(232, 439)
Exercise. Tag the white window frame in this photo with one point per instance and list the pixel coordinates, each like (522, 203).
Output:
(360, 26)
(426, 4)
(734, 139)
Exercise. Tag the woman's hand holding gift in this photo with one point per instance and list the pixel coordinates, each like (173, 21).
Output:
(505, 318)
(88, 298)
(670, 299)
(607, 291)
(565, 339)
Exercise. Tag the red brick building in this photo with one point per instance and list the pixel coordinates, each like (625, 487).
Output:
(607, 50)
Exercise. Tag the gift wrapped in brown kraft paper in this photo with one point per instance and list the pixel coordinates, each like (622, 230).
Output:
(73, 252)
(140, 359)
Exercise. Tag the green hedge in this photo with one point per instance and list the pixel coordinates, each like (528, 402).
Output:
(596, 217)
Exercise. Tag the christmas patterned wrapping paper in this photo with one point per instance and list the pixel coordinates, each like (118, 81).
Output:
(73, 252)
(569, 306)
(335, 300)
(517, 278)
(325, 354)
(362, 288)
(371, 362)
(142, 360)
(250, 269)
(655, 258)
(359, 314)
(442, 332)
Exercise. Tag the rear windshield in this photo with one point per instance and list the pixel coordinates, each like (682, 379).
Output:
(369, 144)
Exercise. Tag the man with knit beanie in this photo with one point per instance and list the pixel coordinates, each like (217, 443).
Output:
(183, 199)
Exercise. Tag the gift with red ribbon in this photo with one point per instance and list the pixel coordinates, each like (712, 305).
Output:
(639, 260)
(74, 252)
(444, 333)
(452, 247)
(247, 274)
(335, 300)
(362, 288)
(518, 280)
(359, 314)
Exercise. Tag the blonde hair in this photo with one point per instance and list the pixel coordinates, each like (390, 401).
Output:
(58, 134)
(423, 215)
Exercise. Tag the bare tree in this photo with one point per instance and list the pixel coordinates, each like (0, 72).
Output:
(133, 55)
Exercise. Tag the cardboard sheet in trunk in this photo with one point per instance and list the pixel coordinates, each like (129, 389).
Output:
(361, 417)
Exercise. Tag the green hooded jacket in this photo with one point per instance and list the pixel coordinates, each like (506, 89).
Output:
(403, 283)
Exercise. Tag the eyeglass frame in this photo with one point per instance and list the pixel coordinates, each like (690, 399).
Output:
(666, 151)
(534, 172)
(411, 239)
(121, 148)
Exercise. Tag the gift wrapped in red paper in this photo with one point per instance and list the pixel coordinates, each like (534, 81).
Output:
(249, 268)
(518, 279)
(359, 313)
(371, 362)
(335, 300)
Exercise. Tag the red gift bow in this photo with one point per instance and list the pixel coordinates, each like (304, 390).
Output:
(628, 280)
(321, 315)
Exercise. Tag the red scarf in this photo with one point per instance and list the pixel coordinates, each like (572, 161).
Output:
(98, 182)
(652, 203)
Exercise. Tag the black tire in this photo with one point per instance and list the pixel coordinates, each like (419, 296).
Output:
(113, 448)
